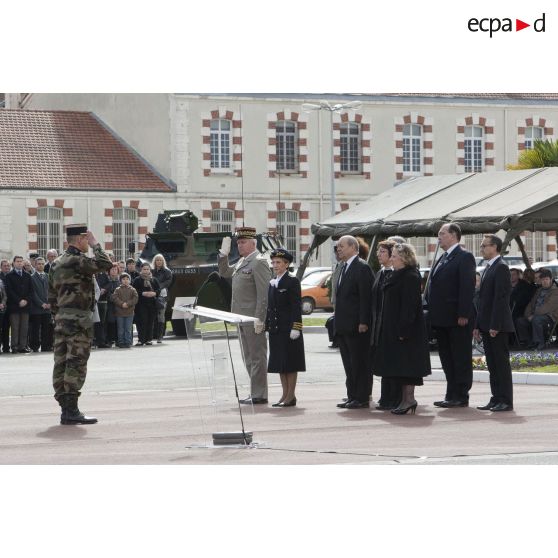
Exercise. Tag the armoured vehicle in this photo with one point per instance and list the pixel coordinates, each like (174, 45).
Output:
(190, 255)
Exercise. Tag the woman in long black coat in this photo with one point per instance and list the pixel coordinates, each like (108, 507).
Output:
(391, 390)
(403, 348)
(146, 311)
(284, 324)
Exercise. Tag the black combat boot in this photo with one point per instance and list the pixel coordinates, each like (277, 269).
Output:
(70, 412)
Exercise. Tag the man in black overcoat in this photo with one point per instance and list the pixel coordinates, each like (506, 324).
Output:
(352, 322)
(450, 307)
(494, 323)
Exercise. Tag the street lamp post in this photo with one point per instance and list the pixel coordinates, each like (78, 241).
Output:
(327, 106)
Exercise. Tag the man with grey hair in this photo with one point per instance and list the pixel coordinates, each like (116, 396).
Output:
(352, 322)
(250, 282)
(51, 255)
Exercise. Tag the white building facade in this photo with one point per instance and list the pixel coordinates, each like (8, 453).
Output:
(262, 160)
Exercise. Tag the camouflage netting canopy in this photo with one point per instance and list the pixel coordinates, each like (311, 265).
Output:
(486, 202)
(512, 201)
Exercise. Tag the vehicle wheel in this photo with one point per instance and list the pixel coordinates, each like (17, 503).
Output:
(307, 306)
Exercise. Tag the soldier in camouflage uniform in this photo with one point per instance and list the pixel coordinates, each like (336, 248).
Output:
(72, 298)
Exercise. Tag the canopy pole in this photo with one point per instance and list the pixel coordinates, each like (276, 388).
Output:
(306, 259)
(510, 235)
(373, 249)
(430, 274)
(523, 251)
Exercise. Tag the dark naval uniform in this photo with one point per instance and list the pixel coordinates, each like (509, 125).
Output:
(72, 298)
(283, 315)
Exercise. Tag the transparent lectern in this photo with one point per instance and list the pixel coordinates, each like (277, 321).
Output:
(219, 374)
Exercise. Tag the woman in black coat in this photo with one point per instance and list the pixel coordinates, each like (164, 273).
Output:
(391, 389)
(164, 275)
(403, 348)
(146, 311)
(284, 324)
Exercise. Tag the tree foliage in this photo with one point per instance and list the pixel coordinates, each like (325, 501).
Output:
(543, 154)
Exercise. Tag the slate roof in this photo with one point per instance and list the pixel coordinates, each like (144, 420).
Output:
(66, 150)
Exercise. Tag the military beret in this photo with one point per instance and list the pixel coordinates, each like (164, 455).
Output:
(75, 230)
(282, 253)
(245, 232)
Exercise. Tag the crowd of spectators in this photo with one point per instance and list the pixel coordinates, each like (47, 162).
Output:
(125, 296)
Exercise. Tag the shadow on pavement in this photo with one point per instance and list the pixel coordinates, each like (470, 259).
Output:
(64, 432)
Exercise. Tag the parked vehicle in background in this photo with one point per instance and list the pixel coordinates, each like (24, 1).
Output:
(190, 255)
(310, 270)
(314, 292)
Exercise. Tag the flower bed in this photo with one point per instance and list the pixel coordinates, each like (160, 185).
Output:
(522, 361)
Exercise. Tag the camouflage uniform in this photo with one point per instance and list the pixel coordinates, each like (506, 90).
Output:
(72, 298)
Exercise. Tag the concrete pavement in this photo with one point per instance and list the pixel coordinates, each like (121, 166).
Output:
(148, 413)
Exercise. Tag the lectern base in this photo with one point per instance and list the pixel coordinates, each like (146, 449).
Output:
(231, 438)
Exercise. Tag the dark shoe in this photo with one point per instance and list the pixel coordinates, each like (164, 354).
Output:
(103, 346)
(159, 340)
(532, 346)
(149, 343)
(403, 410)
(501, 407)
(24, 350)
(454, 403)
(291, 403)
(343, 404)
(487, 407)
(540, 347)
(253, 401)
(357, 404)
(278, 404)
(138, 344)
(440, 403)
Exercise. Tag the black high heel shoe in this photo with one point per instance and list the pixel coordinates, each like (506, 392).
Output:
(291, 403)
(278, 404)
(403, 410)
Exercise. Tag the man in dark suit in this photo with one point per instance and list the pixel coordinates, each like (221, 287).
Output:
(494, 323)
(5, 268)
(40, 319)
(450, 307)
(18, 287)
(352, 322)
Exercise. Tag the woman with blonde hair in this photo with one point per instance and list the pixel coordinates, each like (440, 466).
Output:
(164, 276)
(402, 353)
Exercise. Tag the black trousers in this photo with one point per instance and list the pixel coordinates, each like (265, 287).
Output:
(5, 332)
(146, 314)
(99, 328)
(496, 350)
(40, 332)
(355, 354)
(455, 346)
(390, 392)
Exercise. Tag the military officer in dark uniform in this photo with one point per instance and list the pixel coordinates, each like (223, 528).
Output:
(284, 324)
(72, 298)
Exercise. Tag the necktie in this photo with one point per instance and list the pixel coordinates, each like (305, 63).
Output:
(342, 274)
(485, 272)
(441, 262)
